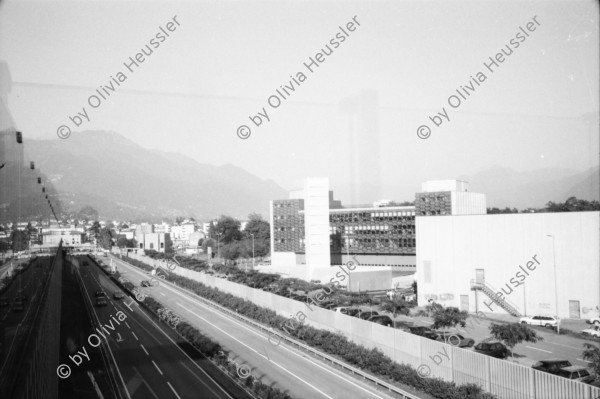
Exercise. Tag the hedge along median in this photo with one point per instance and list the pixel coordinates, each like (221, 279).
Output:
(372, 360)
(210, 350)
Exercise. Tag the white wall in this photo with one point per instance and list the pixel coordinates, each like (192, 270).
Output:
(316, 222)
(454, 246)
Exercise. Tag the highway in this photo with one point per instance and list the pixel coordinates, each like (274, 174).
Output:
(149, 363)
(300, 375)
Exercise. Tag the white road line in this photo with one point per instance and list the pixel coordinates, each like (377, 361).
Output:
(161, 373)
(127, 325)
(162, 294)
(583, 360)
(566, 346)
(173, 389)
(190, 297)
(537, 349)
(135, 336)
(144, 349)
(258, 353)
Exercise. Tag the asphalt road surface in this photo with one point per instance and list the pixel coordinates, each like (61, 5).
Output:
(294, 371)
(150, 364)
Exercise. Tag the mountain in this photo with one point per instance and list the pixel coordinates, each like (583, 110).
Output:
(125, 181)
(506, 187)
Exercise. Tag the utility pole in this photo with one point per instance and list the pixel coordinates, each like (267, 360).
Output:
(252, 234)
(555, 284)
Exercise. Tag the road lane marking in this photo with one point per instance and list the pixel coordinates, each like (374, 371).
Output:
(189, 297)
(162, 294)
(161, 373)
(135, 336)
(583, 360)
(173, 389)
(566, 346)
(537, 349)
(144, 349)
(255, 351)
(127, 325)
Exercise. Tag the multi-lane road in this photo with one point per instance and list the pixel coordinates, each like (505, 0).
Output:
(284, 367)
(149, 363)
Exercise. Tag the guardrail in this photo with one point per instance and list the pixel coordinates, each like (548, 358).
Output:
(285, 338)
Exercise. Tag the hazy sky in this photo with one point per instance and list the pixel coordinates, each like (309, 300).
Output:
(219, 66)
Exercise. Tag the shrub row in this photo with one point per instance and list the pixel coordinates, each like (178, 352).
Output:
(372, 360)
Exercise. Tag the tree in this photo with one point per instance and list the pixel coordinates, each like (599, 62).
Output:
(105, 238)
(229, 229)
(179, 219)
(262, 234)
(448, 317)
(513, 334)
(396, 305)
(572, 204)
(18, 240)
(95, 229)
(592, 353)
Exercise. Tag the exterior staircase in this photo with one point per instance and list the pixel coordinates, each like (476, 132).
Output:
(490, 292)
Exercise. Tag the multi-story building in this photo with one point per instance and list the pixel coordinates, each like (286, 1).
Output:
(70, 235)
(152, 241)
(448, 197)
(368, 236)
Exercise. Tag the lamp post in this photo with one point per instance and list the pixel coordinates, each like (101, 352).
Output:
(218, 250)
(555, 284)
(252, 234)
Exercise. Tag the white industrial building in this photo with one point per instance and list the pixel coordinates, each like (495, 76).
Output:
(528, 262)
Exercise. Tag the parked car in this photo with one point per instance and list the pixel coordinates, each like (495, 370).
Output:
(423, 332)
(341, 309)
(540, 320)
(593, 331)
(4, 302)
(145, 283)
(367, 315)
(455, 339)
(494, 349)
(551, 366)
(118, 295)
(383, 320)
(576, 373)
(101, 301)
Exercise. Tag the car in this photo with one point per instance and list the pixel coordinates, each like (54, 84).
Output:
(118, 295)
(383, 320)
(145, 283)
(22, 295)
(593, 331)
(18, 307)
(101, 301)
(493, 349)
(423, 332)
(4, 302)
(540, 320)
(455, 339)
(576, 373)
(551, 366)
(99, 293)
(367, 315)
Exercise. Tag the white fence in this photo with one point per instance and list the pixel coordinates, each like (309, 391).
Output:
(503, 378)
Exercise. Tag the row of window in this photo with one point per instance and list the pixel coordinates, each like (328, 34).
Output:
(436, 198)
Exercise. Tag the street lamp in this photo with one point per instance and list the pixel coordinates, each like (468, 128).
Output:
(555, 286)
(252, 234)
(218, 251)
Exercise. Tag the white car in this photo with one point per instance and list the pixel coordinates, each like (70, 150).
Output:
(540, 320)
(594, 320)
(593, 331)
